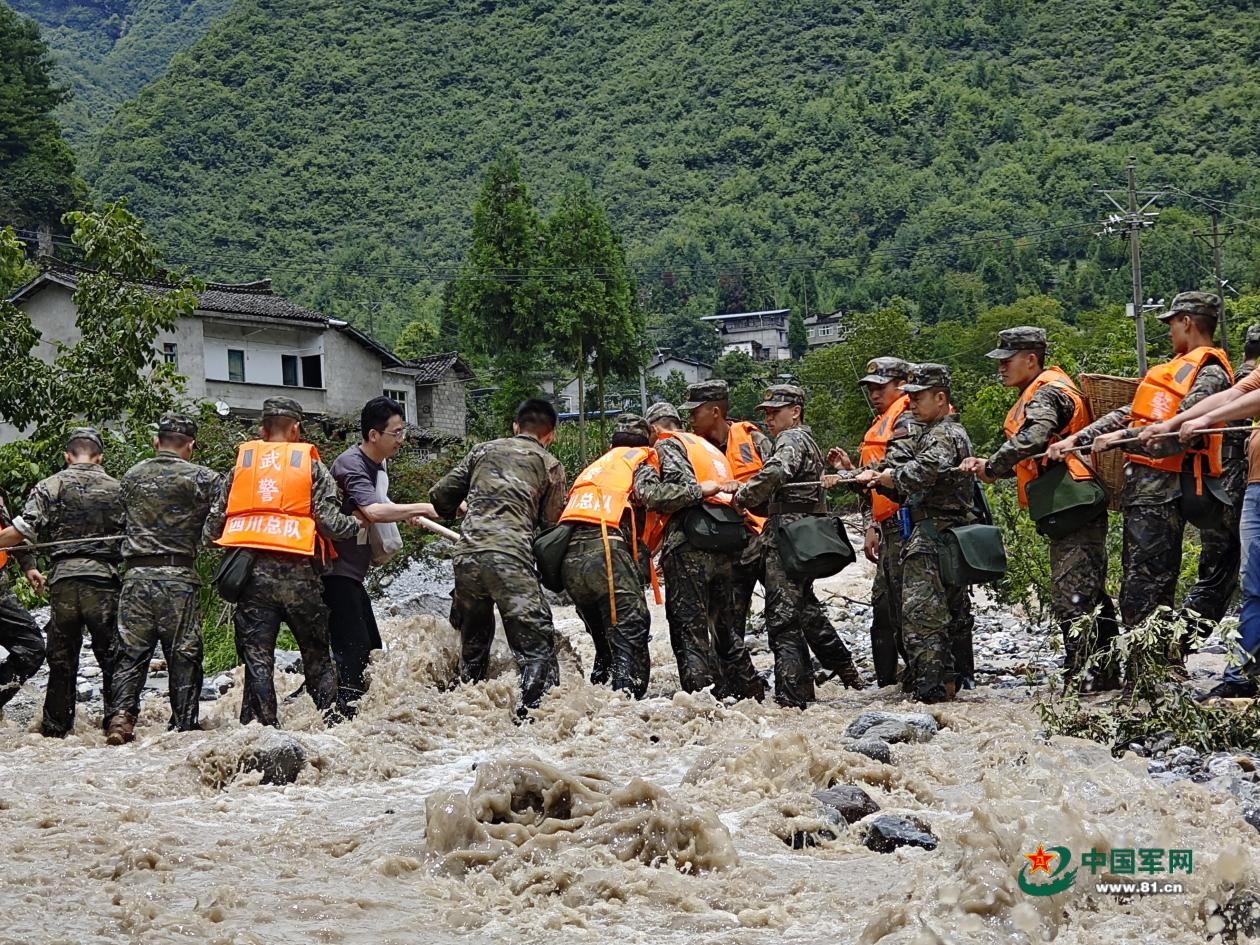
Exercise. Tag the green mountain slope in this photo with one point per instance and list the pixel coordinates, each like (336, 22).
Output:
(107, 50)
(830, 154)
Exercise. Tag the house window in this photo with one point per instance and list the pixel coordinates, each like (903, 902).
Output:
(313, 370)
(400, 396)
(236, 365)
(289, 369)
(170, 354)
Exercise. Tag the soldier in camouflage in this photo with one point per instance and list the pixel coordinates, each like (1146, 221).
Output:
(788, 486)
(1151, 500)
(285, 587)
(1078, 562)
(699, 605)
(18, 632)
(81, 501)
(513, 488)
(167, 499)
(922, 472)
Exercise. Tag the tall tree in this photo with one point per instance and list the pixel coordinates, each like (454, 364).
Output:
(797, 337)
(37, 179)
(592, 321)
(496, 296)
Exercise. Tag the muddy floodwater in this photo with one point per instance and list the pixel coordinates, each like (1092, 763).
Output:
(433, 818)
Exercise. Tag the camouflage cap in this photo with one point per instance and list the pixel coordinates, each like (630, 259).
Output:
(281, 407)
(883, 370)
(86, 433)
(705, 392)
(782, 395)
(632, 423)
(1011, 341)
(1193, 303)
(663, 411)
(1253, 334)
(177, 423)
(927, 377)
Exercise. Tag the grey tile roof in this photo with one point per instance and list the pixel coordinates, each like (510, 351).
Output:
(433, 368)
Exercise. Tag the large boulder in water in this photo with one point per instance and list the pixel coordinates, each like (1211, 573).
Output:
(894, 727)
(846, 802)
(278, 756)
(887, 832)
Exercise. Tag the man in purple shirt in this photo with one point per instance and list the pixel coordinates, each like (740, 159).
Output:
(352, 625)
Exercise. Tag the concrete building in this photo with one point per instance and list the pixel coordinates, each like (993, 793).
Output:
(440, 384)
(620, 395)
(824, 330)
(760, 335)
(244, 343)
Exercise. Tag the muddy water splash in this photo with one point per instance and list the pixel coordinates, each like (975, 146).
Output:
(432, 817)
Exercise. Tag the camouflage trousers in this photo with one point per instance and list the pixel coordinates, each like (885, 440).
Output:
(699, 607)
(886, 643)
(78, 604)
(163, 609)
(621, 646)
(1078, 584)
(936, 618)
(21, 637)
(283, 588)
(1151, 559)
(1219, 562)
(486, 580)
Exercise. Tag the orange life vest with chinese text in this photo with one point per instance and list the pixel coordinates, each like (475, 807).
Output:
(1159, 397)
(875, 447)
(1027, 470)
(269, 507)
(601, 492)
(745, 462)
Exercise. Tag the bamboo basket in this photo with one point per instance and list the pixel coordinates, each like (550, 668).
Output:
(1106, 393)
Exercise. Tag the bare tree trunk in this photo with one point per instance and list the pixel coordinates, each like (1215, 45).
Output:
(581, 379)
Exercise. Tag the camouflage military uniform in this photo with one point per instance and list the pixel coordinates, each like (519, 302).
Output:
(18, 632)
(513, 487)
(750, 567)
(81, 501)
(699, 605)
(1153, 522)
(795, 620)
(285, 587)
(935, 622)
(166, 499)
(1078, 562)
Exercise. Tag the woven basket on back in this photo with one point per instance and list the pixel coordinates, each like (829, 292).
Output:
(1105, 393)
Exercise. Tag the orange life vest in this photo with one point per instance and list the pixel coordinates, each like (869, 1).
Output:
(875, 447)
(601, 492)
(744, 461)
(1159, 397)
(4, 558)
(269, 507)
(1027, 470)
(707, 462)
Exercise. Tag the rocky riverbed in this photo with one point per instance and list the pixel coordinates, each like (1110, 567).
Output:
(433, 816)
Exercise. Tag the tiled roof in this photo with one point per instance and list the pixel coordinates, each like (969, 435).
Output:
(433, 368)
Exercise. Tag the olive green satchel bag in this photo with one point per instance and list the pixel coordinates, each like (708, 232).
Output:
(1060, 505)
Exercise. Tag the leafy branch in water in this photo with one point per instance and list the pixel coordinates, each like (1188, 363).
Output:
(1154, 702)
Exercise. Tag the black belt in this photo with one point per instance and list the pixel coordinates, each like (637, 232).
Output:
(790, 508)
(162, 561)
(952, 518)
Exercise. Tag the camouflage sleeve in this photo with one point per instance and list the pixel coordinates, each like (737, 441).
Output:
(656, 495)
(677, 473)
(1118, 419)
(789, 455)
(554, 495)
(452, 489)
(1212, 379)
(325, 504)
(934, 453)
(35, 514)
(25, 559)
(763, 444)
(1049, 411)
(215, 521)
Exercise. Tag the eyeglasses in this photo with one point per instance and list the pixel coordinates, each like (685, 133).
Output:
(398, 434)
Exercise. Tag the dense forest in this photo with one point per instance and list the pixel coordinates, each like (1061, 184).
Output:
(808, 153)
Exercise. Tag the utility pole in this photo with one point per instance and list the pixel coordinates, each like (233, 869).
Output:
(1131, 221)
(1216, 269)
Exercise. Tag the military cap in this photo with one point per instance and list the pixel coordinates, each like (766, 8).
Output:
(782, 395)
(86, 433)
(883, 370)
(632, 423)
(1193, 303)
(281, 407)
(1011, 341)
(178, 423)
(705, 392)
(1253, 334)
(926, 377)
(662, 411)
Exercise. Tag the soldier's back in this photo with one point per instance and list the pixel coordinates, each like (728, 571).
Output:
(166, 499)
(509, 479)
